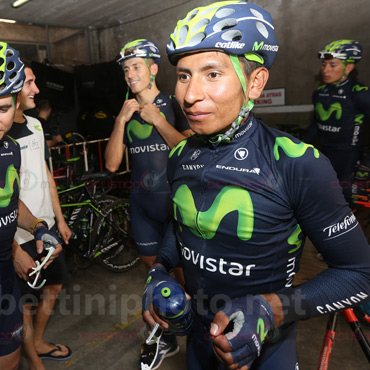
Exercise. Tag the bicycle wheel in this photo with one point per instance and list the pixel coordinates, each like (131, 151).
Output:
(80, 238)
(83, 258)
(112, 238)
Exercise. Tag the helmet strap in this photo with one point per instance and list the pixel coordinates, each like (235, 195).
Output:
(152, 77)
(244, 111)
(344, 63)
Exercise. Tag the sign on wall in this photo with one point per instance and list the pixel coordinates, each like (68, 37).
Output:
(271, 97)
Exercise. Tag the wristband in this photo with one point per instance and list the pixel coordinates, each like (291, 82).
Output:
(35, 223)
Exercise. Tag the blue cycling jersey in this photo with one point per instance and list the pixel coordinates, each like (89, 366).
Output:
(148, 150)
(242, 211)
(9, 194)
(340, 114)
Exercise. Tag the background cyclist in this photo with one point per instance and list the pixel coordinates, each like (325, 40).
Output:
(342, 108)
(242, 214)
(149, 124)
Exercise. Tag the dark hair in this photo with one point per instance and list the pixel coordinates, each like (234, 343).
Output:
(43, 105)
(248, 66)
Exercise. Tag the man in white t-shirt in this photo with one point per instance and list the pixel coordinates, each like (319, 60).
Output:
(39, 193)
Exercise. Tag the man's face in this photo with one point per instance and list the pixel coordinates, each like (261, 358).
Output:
(29, 91)
(7, 112)
(209, 91)
(331, 70)
(137, 74)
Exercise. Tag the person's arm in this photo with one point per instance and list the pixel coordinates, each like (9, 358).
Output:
(27, 221)
(152, 115)
(63, 228)
(115, 146)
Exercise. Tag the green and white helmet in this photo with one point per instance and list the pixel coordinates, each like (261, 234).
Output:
(11, 70)
(347, 50)
(237, 28)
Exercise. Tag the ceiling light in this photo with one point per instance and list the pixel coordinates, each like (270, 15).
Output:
(18, 3)
(7, 20)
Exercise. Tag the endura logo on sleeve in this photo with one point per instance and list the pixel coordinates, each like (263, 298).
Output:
(220, 266)
(340, 228)
(239, 169)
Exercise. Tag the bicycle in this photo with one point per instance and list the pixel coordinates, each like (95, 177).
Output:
(352, 320)
(100, 226)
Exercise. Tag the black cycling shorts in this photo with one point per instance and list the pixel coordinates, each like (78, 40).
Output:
(11, 317)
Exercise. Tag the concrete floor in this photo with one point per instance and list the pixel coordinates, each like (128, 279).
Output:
(98, 315)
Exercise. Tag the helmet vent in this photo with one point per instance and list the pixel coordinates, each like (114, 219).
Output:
(225, 12)
(203, 22)
(183, 33)
(262, 29)
(225, 24)
(191, 16)
(2, 60)
(257, 13)
(9, 53)
(196, 39)
(1, 75)
(232, 35)
(2, 86)
(10, 66)
(13, 76)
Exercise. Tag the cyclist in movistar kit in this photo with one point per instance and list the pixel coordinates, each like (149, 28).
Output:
(12, 211)
(245, 196)
(342, 108)
(150, 124)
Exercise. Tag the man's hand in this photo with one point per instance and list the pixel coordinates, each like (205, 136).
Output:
(128, 109)
(151, 114)
(157, 275)
(45, 238)
(250, 319)
(22, 261)
(65, 231)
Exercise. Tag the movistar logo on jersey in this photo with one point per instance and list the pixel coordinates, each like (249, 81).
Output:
(141, 131)
(230, 45)
(7, 191)
(205, 223)
(359, 88)
(211, 264)
(328, 128)
(262, 46)
(325, 114)
(149, 148)
(292, 149)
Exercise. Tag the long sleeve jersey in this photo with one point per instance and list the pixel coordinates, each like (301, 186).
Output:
(242, 211)
(340, 114)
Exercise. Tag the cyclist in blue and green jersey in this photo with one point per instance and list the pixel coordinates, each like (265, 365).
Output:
(13, 212)
(342, 108)
(245, 196)
(149, 125)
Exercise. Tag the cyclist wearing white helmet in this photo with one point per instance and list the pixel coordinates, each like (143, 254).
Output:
(342, 109)
(244, 198)
(12, 210)
(150, 124)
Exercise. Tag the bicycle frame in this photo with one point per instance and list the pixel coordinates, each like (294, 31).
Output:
(354, 324)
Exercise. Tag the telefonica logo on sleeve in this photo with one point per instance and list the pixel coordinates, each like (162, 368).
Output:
(340, 228)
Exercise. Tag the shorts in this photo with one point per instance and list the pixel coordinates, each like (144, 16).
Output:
(56, 273)
(150, 217)
(278, 354)
(11, 317)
